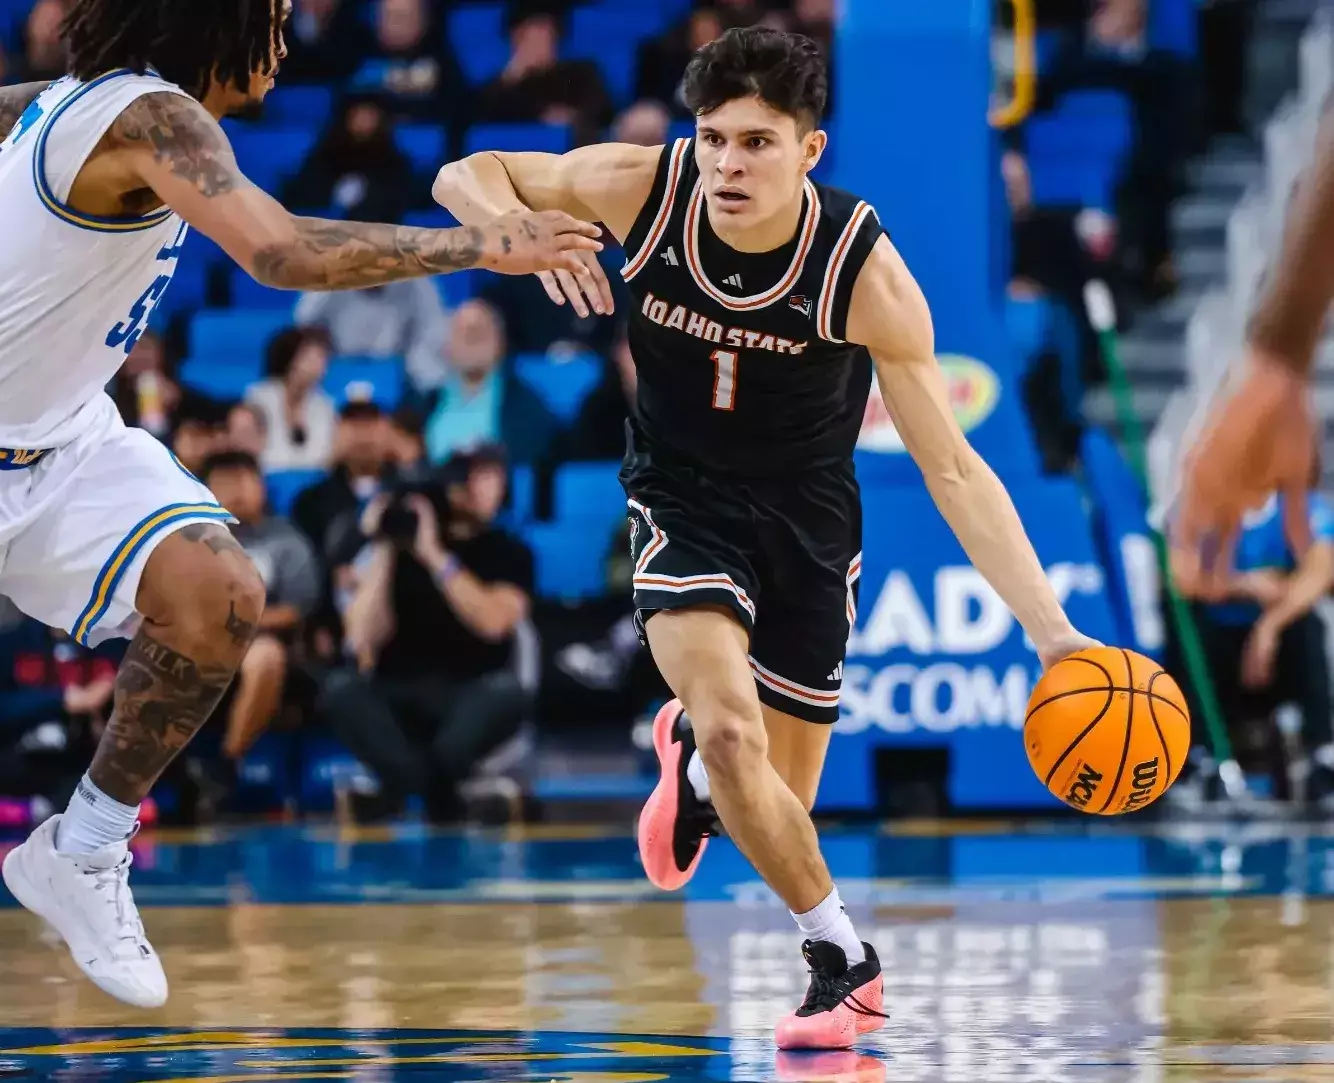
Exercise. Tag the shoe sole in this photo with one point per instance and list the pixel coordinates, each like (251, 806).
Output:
(658, 816)
(28, 895)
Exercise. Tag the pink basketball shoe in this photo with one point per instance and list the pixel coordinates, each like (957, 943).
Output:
(674, 825)
(842, 1001)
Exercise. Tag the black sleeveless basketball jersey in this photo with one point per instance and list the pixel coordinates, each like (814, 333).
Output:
(741, 359)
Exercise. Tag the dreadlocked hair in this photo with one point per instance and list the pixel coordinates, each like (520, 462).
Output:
(188, 42)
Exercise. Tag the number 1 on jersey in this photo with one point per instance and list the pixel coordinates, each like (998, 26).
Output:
(724, 379)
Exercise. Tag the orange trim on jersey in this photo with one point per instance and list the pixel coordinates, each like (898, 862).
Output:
(657, 539)
(807, 232)
(637, 263)
(813, 697)
(680, 584)
(824, 324)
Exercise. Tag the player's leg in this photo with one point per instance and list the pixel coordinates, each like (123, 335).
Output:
(797, 751)
(131, 542)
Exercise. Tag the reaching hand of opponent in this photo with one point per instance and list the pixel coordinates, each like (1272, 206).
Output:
(590, 282)
(525, 242)
(1258, 440)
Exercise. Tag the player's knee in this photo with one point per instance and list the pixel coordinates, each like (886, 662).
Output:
(223, 605)
(733, 748)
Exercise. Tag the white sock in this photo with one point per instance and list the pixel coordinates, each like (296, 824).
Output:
(699, 778)
(93, 820)
(830, 922)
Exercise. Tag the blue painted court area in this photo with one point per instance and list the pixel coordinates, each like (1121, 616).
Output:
(1078, 951)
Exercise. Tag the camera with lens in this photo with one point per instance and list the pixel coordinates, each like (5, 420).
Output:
(398, 524)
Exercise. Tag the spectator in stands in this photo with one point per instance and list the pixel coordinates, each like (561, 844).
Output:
(481, 402)
(1264, 641)
(246, 429)
(537, 85)
(432, 622)
(356, 170)
(362, 470)
(298, 415)
(661, 62)
(1114, 52)
(411, 65)
(198, 430)
(321, 41)
(645, 123)
(599, 430)
(145, 394)
(407, 441)
(291, 573)
(55, 697)
(44, 48)
(405, 320)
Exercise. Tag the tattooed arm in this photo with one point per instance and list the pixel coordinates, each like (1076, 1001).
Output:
(180, 152)
(13, 101)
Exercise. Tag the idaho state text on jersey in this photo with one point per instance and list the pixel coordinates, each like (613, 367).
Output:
(692, 323)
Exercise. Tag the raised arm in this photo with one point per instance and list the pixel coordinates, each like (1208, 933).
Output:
(889, 316)
(13, 101)
(607, 183)
(180, 152)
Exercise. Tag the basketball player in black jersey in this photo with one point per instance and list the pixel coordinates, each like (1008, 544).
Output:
(761, 302)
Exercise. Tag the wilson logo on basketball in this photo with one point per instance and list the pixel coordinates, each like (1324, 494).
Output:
(1083, 787)
(1143, 782)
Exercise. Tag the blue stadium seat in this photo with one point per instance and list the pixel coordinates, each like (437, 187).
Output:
(609, 33)
(562, 385)
(298, 107)
(202, 250)
(1073, 182)
(224, 380)
(569, 557)
(588, 491)
(682, 129)
(188, 290)
(383, 377)
(424, 144)
(1026, 327)
(552, 138)
(459, 287)
(523, 495)
(285, 485)
(1094, 123)
(247, 293)
(268, 155)
(239, 336)
(477, 35)
(1174, 26)
(435, 218)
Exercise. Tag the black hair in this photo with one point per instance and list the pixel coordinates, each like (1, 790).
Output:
(286, 344)
(229, 460)
(188, 42)
(785, 71)
(520, 11)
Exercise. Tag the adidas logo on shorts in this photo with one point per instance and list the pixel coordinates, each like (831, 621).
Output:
(837, 675)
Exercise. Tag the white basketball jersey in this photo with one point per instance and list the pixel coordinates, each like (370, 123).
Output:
(76, 291)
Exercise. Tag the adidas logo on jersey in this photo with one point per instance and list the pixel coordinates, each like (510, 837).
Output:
(670, 257)
(733, 280)
(837, 675)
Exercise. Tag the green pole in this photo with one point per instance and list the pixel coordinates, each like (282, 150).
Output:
(1102, 314)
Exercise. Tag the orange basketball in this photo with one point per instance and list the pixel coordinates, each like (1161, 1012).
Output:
(1107, 731)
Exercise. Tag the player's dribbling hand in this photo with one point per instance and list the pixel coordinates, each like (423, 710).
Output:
(591, 284)
(1070, 643)
(1258, 440)
(525, 242)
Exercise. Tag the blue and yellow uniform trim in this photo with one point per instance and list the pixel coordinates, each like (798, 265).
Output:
(65, 212)
(113, 571)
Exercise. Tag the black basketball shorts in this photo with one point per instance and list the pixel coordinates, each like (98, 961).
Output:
(783, 554)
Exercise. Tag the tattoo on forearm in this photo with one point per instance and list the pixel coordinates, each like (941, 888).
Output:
(351, 255)
(162, 699)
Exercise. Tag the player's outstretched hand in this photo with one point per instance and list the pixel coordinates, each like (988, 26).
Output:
(1072, 642)
(586, 288)
(1259, 439)
(524, 242)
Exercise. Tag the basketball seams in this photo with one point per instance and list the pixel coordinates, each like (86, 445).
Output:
(1125, 748)
(1111, 688)
(1073, 658)
(1167, 755)
(1084, 733)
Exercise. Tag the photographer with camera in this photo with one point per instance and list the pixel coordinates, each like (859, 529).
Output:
(431, 623)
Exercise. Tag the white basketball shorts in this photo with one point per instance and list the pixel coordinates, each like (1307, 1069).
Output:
(79, 524)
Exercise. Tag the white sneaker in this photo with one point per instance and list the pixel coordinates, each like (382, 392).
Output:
(86, 897)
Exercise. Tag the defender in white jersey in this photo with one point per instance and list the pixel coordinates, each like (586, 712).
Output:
(102, 531)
